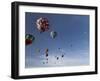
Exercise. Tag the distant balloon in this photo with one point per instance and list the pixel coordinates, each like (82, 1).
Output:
(57, 58)
(37, 50)
(59, 48)
(53, 34)
(62, 56)
(42, 24)
(29, 39)
(43, 62)
(46, 52)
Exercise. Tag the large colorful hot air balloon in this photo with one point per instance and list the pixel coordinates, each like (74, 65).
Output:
(53, 34)
(42, 24)
(29, 39)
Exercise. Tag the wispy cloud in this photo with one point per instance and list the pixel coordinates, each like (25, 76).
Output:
(53, 62)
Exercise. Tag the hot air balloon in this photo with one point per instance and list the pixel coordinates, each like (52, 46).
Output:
(47, 59)
(57, 58)
(43, 62)
(42, 24)
(62, 56)
(53, 34)
(59, 48)
(29, 39)
(37, 50)
(46, 52)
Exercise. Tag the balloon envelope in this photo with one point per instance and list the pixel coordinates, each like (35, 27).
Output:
(29, 39)
(53, 34)
(37, 50)
(42, 24)
(46, 52)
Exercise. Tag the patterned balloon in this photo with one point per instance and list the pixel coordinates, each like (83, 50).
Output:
(42, 24)
(29, 39)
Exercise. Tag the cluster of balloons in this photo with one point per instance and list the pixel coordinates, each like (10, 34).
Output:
(56, 57)
(42, 24)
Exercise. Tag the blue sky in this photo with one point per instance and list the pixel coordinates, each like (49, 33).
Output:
(72, 39)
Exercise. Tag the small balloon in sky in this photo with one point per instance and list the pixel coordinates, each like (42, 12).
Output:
(59, 48)
(46, 52)
(47, 55)
(62, 56)
(29, 39)
(53, 34)
(37, 50)
(42, 24)
(46, 49)
(57, 58)
(43, 62)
